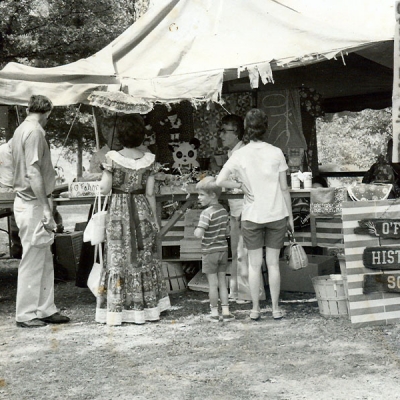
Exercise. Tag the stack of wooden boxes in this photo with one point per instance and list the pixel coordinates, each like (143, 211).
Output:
(190, 247)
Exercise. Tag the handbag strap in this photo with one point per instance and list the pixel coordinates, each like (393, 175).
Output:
(94, 207)
(100, 253)
(97, 199)
(98, 249)
(291, 236)
(105, 201)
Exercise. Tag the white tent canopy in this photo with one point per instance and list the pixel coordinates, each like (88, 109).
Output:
(185, 49)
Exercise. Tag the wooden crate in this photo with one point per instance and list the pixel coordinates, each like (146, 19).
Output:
(190, 249)
(67, 251)
(174, 276)
(175, 234)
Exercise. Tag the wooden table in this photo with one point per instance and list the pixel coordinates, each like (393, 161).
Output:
(187, 200)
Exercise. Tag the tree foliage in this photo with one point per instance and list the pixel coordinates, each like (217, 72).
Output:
(47, 33)
(353, 140)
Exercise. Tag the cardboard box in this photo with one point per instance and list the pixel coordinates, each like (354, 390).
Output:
(301, 280)
(67, 251)
(199, 283)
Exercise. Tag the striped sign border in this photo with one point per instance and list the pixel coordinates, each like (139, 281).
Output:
(375, 308)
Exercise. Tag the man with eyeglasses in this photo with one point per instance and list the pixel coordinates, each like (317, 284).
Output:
(231, 135)
(33, 183)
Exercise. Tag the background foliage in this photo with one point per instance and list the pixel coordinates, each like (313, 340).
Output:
(353, 140)
(48, 33)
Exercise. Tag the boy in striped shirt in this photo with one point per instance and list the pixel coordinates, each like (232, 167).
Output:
(212, 229)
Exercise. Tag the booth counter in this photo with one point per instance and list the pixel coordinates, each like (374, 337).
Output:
(323, 232)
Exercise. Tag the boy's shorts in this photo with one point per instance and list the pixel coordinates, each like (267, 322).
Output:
(212, 263)
(270, 234)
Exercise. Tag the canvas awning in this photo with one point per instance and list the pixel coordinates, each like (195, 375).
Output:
(186, 49)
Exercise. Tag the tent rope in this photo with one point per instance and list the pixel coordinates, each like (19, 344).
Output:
(70, 129)
(225, 108)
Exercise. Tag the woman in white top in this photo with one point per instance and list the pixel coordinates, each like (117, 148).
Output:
(267, 213)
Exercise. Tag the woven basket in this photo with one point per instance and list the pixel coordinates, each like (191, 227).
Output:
(331, 296)
(343, 271)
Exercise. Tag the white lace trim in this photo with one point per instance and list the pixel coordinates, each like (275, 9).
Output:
(101, 315)
(143, 162)
(132, 316)
(164, 304)
(114, 318)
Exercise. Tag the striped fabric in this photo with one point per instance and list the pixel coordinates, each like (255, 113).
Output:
(374, 308)
(214, 221)
(328, 233)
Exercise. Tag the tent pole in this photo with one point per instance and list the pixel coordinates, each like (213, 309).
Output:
(96, 131)
(113, 133)
(396, 90)
(18, 117)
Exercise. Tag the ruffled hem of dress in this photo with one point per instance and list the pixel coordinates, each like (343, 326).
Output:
(143, 162)
(132, 316)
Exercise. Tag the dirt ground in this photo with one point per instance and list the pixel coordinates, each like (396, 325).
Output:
(183, 356)
(303, 356)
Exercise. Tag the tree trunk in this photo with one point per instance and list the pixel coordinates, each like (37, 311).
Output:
(12, 122)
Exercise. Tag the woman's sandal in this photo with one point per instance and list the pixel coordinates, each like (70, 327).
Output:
(254, 315)
(277, 314)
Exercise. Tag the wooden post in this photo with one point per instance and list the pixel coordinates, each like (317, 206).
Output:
(396, 88)
(96, 130)
(4, 120)
(79, 158)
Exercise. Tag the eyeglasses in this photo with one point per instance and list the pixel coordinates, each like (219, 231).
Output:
(227, 130)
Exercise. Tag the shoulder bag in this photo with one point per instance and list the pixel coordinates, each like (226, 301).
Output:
(95, 231)
(94, 279)
(294, 254)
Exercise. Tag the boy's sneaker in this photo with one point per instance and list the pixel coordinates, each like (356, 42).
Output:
(227, 318)
(213, 318)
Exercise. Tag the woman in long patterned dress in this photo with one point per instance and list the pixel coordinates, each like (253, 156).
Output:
(133, 283)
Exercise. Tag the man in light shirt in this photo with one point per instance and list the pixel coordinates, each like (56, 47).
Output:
(231, 136)
(6, 186)
(6, 168)
(33, 183)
